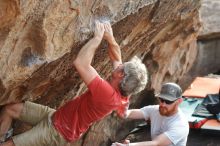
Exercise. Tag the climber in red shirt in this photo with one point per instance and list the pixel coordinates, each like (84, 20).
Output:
(67, 124)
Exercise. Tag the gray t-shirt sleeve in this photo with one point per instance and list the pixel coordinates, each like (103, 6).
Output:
(147, 111)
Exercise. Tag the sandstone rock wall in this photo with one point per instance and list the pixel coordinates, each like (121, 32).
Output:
(35, 37)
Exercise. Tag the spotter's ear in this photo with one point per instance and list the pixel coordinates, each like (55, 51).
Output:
(180, 100)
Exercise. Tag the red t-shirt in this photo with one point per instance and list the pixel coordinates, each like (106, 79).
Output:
(74, 118)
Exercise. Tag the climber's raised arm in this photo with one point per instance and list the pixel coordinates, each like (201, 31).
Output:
(86, 54)
(114, 50)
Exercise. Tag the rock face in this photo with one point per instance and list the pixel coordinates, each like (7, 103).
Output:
(40, 39)
(209, 14)
(208, 60)
(208, 43)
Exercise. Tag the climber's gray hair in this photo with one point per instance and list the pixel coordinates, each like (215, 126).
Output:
(135, 78)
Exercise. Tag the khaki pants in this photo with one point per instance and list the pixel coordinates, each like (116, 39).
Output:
(43, 133)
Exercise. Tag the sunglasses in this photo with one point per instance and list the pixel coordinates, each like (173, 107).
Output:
(166, 101)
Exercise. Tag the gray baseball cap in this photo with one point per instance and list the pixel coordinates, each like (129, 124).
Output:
(170, 91)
